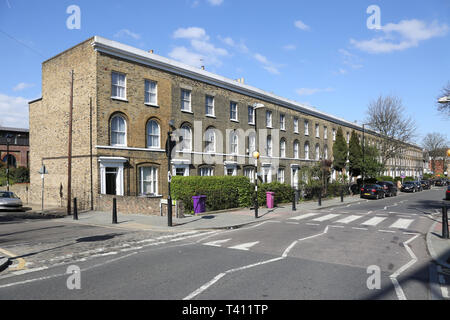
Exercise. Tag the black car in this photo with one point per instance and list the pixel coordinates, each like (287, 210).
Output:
(447, 193)
(439, 183)
(419, 185)
(409, 186)
(390, 189)
(426, 185)
(373, 191)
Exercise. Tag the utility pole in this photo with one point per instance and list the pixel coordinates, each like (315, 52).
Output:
(69, 157)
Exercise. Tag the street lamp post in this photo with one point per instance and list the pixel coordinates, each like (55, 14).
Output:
(169, 147)
(8, 142)
(256, 155)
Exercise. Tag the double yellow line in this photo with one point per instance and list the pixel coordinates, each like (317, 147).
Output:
(21, 261)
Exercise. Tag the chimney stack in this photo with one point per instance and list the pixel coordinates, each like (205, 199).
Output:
(203, 67)
(151, 51)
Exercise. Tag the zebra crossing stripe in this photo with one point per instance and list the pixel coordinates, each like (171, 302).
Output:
(349, 219)
(304, 216)
(373, 221)
(401, 223)
(327, 217)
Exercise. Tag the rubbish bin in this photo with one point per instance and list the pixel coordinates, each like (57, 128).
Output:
(199, 204)
(270, 199)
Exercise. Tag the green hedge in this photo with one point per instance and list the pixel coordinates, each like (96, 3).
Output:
(16, 175)
(226, 192)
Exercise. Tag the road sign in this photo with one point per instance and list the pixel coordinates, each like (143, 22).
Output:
(43, 170)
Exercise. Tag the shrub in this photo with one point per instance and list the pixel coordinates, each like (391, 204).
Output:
(385, 178)
(283, 192)
(221, 192)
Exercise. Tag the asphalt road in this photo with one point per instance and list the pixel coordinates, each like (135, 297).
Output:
(335, 253)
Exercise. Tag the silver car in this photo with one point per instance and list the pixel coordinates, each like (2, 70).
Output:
(9, 201)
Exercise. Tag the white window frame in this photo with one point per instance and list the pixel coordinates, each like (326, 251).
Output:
(251, 143)
(186, 130)
(249, 172)
(283, 122)
(317, 152)
(283, 148)
(252, 120)
(154, 181)
(280, 175)
(235, 106)
(184, 100)
(208, 143)
(149, 93)
(306, 128)
(234, 142)
(149, 136)
(210, 106)
(232, 167)
(185, 167)
(325, 152)
(296, 149)
(317, 131)
(118, 85)
(296, 124)
(208, 170)
(306, 149)
(269, 146)
(112, 162)
(118, 132)
(269, 119)
(334, 134)
(325, 133)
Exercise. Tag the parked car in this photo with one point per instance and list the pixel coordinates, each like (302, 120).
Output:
(440, 183)
(374, 191)
(390, 189)
(447, 193)
(409, 186)
(9, 201)
(426, 185)
(419, 185)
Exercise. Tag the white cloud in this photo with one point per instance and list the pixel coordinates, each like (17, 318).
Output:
(302, 26)
(191, 33)
(22, 86)
(267, 65)
(261, 58)
(230, 42)
(271, 69)
(401, 36)
(127, 33)
(215, 2)
(186, 56)
(289, 47)
(208, 48)
(311, 91)
(14, 111)
(349, 59)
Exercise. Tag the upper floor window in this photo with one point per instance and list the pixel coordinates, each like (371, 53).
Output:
(283, 148)
(348, 137)
(234, 142)
(119, 87)
(325, 133)
(210, 140)
(295, 125)
(251, 143)
(151, 96)
(334, 134)
(153, 134)
(282, 122)
(269, 146)
(296, 149)
(317, 152)
(306, 128)
(233, 111)
(317, 131)
(325, 152)
(186, 138)
(118, 131)
(209, 105)
(269, 119)
(185, 100)
(251, 115)
(307, 151)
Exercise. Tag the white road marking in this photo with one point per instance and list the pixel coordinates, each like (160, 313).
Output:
(216, 243)
(292, 222)
(327, 217)
(349, 219)
(337, 227)
(221, 275)
(389, 231)
(402, 223)
(444, 289)
(360, 228)
(398, 289)
(304, 216)
(373, 221)
(244, 246)
(312, 224)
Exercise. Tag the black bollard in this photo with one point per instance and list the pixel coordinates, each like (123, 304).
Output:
(75, 209)
(293, 201)
(114, 212)
(320, 197)
(342, 194)
(445, 222)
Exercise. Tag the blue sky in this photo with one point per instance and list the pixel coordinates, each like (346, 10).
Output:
(317, 52)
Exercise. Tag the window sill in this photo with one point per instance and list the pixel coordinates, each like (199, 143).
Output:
(119, 99)
(150, 196)
(210, 116)
(233, 120)
(187, 111)
(151, 105)
(251, 123)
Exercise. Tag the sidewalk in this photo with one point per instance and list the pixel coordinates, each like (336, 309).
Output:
(231, 219)
(438, 247)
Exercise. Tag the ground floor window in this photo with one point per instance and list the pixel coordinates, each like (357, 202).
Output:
(250, 173)
(206, 172)
(267, 174)
(231, 170)
(148, 181)
(280, 175)
(111, 175)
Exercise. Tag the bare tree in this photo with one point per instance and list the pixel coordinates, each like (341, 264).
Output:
(444, 107)
(436, 146)
(386, 115)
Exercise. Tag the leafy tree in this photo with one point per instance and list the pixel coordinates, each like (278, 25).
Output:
(340, 151)
(354, 155)
(371, 166)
